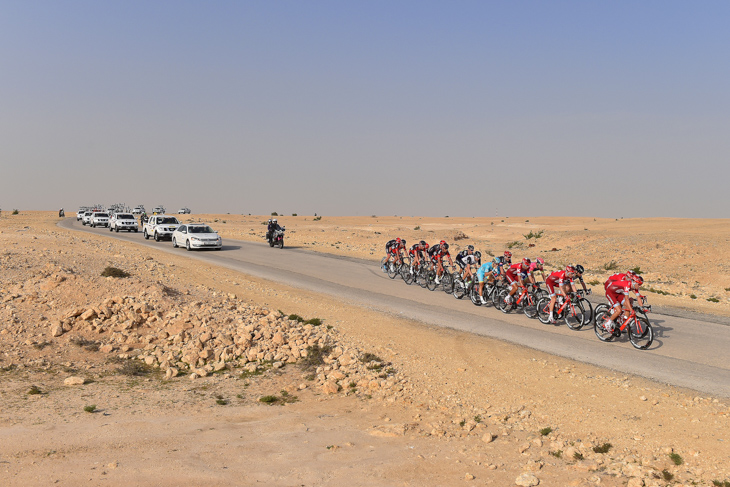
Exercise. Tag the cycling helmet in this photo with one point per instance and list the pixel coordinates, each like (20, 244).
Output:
(443, 242)
(526, 261)
(273, 220)
(507, 254)
(470, 247)
(637, 279)
(498, 259)
(579, 268)
(478, 255)
(398, 240)
(540, 260)
(423, 243)
(630, 274)
(445, 246)
(403, 242)
(570, 269)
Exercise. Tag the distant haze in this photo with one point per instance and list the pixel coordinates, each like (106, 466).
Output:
(605, 109)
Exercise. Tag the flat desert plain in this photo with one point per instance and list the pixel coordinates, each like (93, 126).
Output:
(177, 374)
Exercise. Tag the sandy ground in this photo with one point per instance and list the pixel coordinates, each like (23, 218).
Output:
(471, 414)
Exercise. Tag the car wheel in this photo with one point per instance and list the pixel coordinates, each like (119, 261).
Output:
(187, 246)
(135, 230)
(157, 237)
(146, 235)
(174, 243)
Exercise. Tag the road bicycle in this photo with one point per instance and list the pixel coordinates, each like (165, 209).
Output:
(638, 328)
(525, 301)
(569, 310)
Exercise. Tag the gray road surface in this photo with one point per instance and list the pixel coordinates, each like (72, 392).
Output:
(689, 350)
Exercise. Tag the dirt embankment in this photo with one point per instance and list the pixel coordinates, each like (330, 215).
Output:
(176, 357)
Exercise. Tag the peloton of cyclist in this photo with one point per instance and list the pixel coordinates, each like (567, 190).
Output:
(437, 254)
(617, 293)
(563, 280)
(417, 253)
(394, 249)
(516, 275)
(467, 258)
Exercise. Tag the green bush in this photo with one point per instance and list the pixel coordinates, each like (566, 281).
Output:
(603, 448)
(610, 266)
(90, 409)
(273, 213)
(546, 431)
(317, 218)
(114, 272)
(637, 270)
(713, 300)
(676, 458)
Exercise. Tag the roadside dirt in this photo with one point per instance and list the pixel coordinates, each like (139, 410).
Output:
(451, 408)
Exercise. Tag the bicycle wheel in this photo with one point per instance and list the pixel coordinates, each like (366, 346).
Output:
(383, 265)
(601, 332)
(422, 277)
(409, 275)
(494, 296)
(641, 334)
(543, 310)
(459, 289)
(392, 270)
(575, 316)
(447, 282)
(529, 305)
(599, 308)
(474, 295)
(588, 308)
(431, 280)
(503, 306)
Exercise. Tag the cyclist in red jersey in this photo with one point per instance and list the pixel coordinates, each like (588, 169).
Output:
(507, 258)
(517, 274)
(563, 281)
(617, 293)
(622, 276)
(394, 249)
(417, 253)
(437, 254)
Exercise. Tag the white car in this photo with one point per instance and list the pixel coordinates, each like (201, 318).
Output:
(196, 236)
(158, 210)
(160, 226)
(183, 211)
(138, 210)
(123, 221)
(86, 219)
(99, 219)
(80, 214)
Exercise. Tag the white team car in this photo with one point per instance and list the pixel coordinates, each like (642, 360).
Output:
(80, 214)
(160, 226)
(86, 219)
(184, 211)
(138, 210)
(196, 236)
(123, 221)
(99, 219)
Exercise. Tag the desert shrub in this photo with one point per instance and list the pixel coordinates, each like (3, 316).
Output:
(557, 454)
(515, 244)
(716, 483)
(134, 368)
(676, 458)
(15, 212)
(602, 448)
(637, 270)
(546, 431)
(315, 356)
(34, 390)
(667, 475)
(532, 234)
(90, 409)
(114, 272)
(460, 236)
(693, 296)
(317, 218)
(417, 227)
(273, 213)
(88, 345)
(293, 214)
(578, 456)
(713, 300)
(594, 283)
(610, 266)
(369, 357)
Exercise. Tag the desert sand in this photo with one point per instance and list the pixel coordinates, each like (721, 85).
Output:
(176, 357)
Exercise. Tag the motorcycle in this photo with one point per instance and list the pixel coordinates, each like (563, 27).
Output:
(277, 238)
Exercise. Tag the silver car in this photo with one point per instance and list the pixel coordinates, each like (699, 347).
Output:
(196, 236)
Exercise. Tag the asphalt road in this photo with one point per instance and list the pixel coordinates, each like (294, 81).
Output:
(689, 350)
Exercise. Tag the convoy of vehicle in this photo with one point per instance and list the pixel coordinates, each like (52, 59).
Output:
(196, 236)
(123, 221)
(160, 227)
(99, 219)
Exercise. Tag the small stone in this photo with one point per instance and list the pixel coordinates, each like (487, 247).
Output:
(468, 476)
(171, 372)
(57, 330)
(106, 348)
(74, 381)
(488, 437)
(527, 480)
(635, 482)
(330, 387)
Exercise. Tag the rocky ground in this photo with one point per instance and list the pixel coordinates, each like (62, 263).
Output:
(182, 373)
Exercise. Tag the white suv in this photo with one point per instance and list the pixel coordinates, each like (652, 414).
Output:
(99, 219)
(86, 219)
(123, 221)
(160, 226)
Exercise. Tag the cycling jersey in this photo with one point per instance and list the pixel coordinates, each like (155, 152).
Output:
(557, 278)
(516, 272)
(394, 247)
(616, 277)
(533, 267)
(484, 268)
(436, 253)
(464, 259)
(617, 291)
(417, 249)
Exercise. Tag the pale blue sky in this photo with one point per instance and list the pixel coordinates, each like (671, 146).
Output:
(399, 108)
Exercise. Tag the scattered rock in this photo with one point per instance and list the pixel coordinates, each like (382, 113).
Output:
(74, 381)
(527, 480)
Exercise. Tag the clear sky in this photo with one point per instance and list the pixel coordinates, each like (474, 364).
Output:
(609, 109)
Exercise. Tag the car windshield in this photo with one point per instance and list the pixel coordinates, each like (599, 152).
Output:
(170, 220)
(105, 215)
(125, 216)
(200, 229)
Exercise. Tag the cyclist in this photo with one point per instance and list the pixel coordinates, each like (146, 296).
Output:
(537, 265)
(437, 254)
(516, 275)
(507, 258)
(393, 250)
(579, 270)
(563, 280)
(494, 269)
(466, 258)
(417, 253)
(621, 276)
(616, 293)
